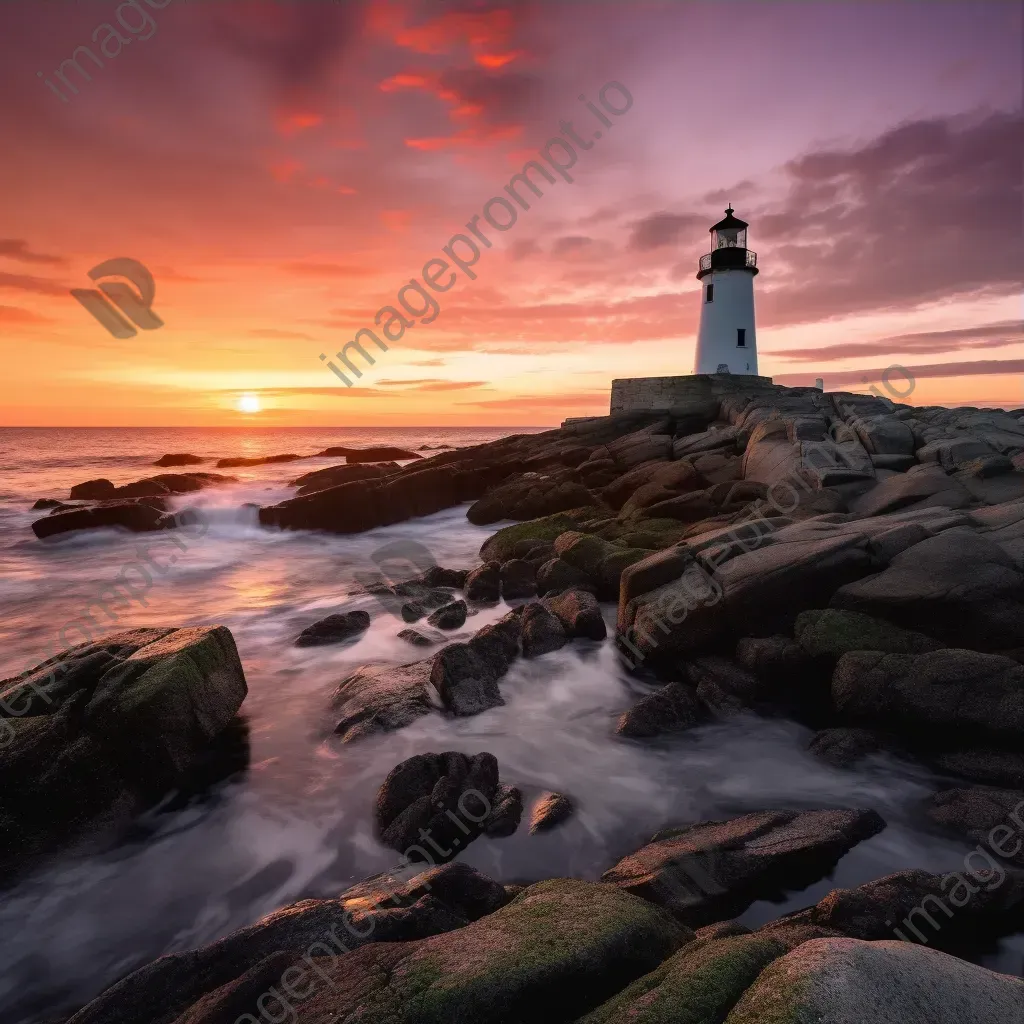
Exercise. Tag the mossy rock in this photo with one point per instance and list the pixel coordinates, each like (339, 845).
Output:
(499, 547)
(556, 951)
(653, 534)
(601, 560)
(698, 985)
(833, 632)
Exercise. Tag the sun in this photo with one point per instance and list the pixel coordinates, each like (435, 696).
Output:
(249, 403)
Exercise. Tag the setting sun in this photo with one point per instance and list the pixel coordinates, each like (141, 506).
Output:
(249, 403)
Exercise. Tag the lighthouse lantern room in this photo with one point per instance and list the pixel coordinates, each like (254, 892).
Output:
(726, 342)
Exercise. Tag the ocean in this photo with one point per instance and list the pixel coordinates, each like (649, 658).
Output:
(296, 820)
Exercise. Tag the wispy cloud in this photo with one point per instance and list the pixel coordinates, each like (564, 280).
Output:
(997, 335)
(17, 249)
(977, 368)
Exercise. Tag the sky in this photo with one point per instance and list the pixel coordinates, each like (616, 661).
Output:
(284, 170)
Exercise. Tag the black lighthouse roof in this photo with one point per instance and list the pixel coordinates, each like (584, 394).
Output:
(729, 221)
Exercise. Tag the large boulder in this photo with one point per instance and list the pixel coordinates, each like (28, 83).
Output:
(431, 806)
(93, 490)
(390, 908)
(530, 496)
(378, 453)
(417, 490)
(832, 632)
(921, 487)
(698, 985)
(98, 732)
(145, 516)
(845, 981)
(954, 912)
(600, 560)
(321, 479)
(959, 585)
(949, 696)
(758, 592)
(178, 459)
(991, 817)
(716, 869)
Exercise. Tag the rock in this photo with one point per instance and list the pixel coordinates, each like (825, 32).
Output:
(93, 490)
(845, 747)
(386, 909)
(958, 585)
(601, 561)
(381, 698)
(48, 503)
(450, 616)
(541, 631)
(989, 767)
(945, 697)
(466, 684)
(533, 550)
(832, 632)
(102, 730)
(919, 487)
(559, 947)
(518, 579)
(182, 459)
(422, 638)
(530, 496)
(501, 546)
(845, 981)
(498, 644)
(716, 869)
(579, 613)
(443, 800)
(672, 708)
(380, 453)
(417, 490)
(484, 582)
(786, 671)
(505, 814)
(760, 591)
(264, 460)
(991, 817)
(333, 629)
(698, 985)
(557, 575)
(919, 907)
(723, 685)
(438, 576)
(321, 479)
(550, 810)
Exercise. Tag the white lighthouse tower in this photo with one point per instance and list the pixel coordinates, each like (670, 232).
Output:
(726, 341)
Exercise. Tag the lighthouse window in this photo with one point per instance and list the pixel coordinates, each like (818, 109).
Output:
(711, 293)
(741, 337)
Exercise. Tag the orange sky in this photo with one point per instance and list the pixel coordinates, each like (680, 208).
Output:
(284, 169)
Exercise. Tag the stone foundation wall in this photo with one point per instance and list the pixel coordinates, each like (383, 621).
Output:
(629, 393)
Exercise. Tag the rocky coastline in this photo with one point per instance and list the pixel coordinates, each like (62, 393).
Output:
(848, 562)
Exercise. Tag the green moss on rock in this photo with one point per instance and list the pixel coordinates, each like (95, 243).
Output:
(833, 632)
(499, 547)
(698, 985)
(556, 951)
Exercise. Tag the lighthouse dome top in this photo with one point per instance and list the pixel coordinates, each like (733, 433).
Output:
(729, 222)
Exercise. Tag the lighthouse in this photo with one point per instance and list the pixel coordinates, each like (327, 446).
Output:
(726, 340)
